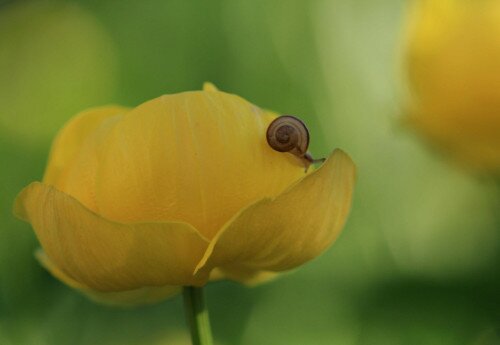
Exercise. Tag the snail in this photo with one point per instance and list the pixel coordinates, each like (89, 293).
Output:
(289, 134)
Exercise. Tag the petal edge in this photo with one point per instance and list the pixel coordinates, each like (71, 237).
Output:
(276, 234)
(106, 255)
(127, 298)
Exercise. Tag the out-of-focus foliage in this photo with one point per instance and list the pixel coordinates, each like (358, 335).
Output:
(54, 59)
(418, 261)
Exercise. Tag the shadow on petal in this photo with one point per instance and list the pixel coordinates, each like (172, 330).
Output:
(126, 298)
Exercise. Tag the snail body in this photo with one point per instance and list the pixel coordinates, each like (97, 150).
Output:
(289, 134)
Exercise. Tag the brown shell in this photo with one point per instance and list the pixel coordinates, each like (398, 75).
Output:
(288, 134)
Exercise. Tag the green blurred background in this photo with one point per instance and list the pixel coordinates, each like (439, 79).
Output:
(418, 262)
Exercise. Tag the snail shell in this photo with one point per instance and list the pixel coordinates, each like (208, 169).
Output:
(288, 134)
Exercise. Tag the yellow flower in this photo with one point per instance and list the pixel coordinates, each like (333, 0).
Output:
(136, 203)
(453, 61)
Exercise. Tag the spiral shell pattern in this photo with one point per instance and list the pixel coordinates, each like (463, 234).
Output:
(288, 134)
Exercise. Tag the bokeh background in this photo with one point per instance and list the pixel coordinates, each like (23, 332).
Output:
(418, 262)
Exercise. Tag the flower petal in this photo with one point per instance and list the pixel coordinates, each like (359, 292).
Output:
(106, 255)
(296, 226)
(208, 86)
(243, 275)
(454, 78)
(127, 298)
(70, 139)
(178, 158)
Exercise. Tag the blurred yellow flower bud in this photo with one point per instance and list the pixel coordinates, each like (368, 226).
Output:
(453, 62)
(136, 203)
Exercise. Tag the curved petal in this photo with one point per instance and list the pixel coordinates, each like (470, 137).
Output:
(127, 298)
(106, 255)
(192, 157)
(208, 86)
(296, 226)
(243, 275)
(70, 139)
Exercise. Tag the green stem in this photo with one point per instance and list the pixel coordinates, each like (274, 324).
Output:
(197, 316)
